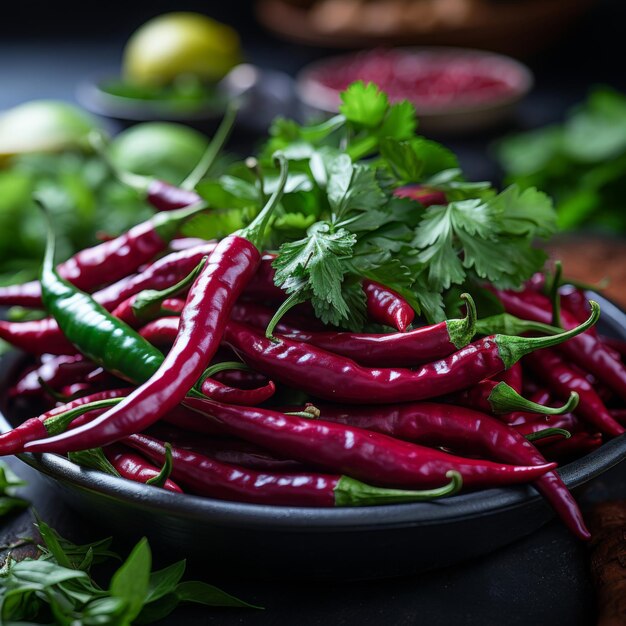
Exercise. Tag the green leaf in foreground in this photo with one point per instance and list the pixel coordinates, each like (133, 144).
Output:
(59, 583)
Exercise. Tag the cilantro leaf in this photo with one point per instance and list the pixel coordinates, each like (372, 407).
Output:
(315, 264)
(400, 122)
(364, 104)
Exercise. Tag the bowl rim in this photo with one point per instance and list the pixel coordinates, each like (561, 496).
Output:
(316, 95)
(317, 519)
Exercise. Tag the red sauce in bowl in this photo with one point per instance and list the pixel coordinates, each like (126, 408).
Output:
(432, 79)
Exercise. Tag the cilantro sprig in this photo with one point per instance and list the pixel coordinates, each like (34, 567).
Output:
(58, 586)
(340, 221)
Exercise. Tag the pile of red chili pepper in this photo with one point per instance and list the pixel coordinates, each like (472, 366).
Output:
(182, 363)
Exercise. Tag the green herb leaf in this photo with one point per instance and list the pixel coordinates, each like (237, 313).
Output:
(364, 105)
(131, 581)
(203, 593)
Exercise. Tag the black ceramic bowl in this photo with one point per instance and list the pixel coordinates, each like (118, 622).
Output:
(287, 542)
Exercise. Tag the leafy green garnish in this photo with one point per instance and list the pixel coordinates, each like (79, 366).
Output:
(340, 222)
(9, 502)
(59, 587)
(581, 163)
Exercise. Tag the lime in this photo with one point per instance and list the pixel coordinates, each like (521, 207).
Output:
(161, 149)
(180, 44)
(44, 126)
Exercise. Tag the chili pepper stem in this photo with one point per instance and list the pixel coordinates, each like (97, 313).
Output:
(504, 399)
(351, 492)
(512, 348)
(293, 300)
(149, 301)
(461, 331)
(255, 231)
(214, 148)
(554, 295)
(167, 224)
(507, 324)
(93, 458)
(209, 372)
(548, 432)
(59, 423)
(168, 464)
(137, 182)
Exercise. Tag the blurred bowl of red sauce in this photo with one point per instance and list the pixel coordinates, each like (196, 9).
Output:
(453, 89)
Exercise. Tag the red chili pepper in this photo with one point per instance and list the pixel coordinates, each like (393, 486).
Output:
(384, 305)
(585, 350)
(54, 372)
(555, 373)
(162, 274)
(166, 197)
(364, 454)
(568, 421)
(134, 467)
(387, 307)
(619, 415)
(162, 332)
(37, 337)
(126, 312)
(217, 390)
(339, 379)
(13, 441)
(108, 261)
(41, 336)
(406, 349)
(617, 345)
(576, 446)
(211, 478)
(425, 196)
(499, 398)
(465, 431)
(231, 451)
(260, 316)
(202, 322)
(574, 301)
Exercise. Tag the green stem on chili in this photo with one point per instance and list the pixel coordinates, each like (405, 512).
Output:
(93, 459)
(352, 492)
(161, 478)
(555, 298)
(507, 324)
(215, 147)
(548, 432)
(504, 399)
(147, 303)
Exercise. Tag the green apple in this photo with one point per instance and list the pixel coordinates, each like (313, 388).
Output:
(180, 44)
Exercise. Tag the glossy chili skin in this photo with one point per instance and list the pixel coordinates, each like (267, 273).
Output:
(209, 477)
(584, 350)
(40, 336)
(217, 390)
(560, 378)
(384, 305)
(202, 322)
(126, 312)
(362, 454)
(161, 274)
(576, 446)
(104, 263)
(339, 379)
(575, 302)
(95, 332)
(387, 307)
(13, 441)
(134, 467)
(466, 431)
(414, 347)
(161, 332)
(228, 450)
(403, 349)
(37, 337)
(55, 373)
(166, 197)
